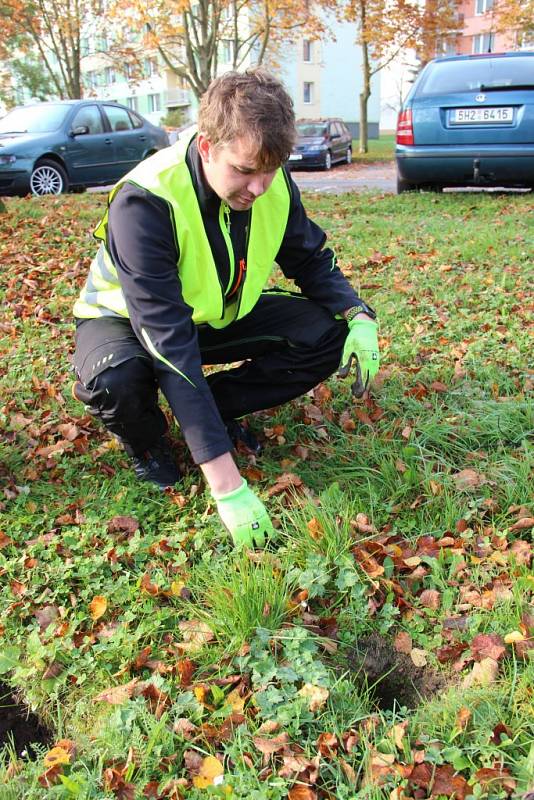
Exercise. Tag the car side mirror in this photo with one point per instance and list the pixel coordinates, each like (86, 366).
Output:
(80, 130)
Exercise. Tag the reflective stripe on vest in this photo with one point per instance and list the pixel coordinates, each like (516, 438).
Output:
(166, 175)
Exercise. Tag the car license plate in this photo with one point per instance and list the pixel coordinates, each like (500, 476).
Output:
(475, 116)
(295, 157)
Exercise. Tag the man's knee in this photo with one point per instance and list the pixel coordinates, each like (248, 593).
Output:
(122, 386)
(329, 348)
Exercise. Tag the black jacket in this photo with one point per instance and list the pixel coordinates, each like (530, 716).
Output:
(144, 250)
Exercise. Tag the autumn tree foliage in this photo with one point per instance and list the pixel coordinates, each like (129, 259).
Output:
(385, 27)
(51, 31)
(189, 35)
(515, 15)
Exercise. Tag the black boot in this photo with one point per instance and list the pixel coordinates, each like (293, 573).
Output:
(242, 436)
(156, 464)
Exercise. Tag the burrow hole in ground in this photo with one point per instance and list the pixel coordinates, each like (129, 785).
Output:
(394, 678)
(19, 727)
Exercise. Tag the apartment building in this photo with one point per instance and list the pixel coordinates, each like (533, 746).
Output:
(479, 33)
(324, 78)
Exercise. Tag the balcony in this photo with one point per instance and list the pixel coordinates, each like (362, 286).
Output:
(177, 97)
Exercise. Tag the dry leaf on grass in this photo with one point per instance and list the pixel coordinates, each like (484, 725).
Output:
(488, 645)
(418, 657)
(300, 792)
(184, 727)
(98, 606)
(211, 773)
(403, 643)
(195, 635)
(118, 695)
(269, 746)
(316, 695)
(468, 479)
(430, 598)
(483, 673)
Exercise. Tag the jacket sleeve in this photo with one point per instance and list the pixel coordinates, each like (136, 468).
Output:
(304, 259)
(142, 246)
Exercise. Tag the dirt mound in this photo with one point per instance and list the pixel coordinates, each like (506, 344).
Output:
(18, 725)
(394, 678)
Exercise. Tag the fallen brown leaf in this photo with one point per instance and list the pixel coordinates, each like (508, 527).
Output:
(488, 645)
(483, 673)
(118, 695)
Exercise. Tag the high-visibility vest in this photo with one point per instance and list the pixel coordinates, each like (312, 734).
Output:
(166, 175)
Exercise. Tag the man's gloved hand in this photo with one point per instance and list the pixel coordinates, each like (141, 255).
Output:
(362, 343)
(245, 517)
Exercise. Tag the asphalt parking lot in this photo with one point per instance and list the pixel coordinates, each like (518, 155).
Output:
(356, 177)
(376, 177)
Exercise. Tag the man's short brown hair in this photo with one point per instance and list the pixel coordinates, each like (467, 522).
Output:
(253, 105)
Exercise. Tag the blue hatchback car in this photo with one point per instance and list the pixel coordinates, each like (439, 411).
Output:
(49, 148)
(468, 121)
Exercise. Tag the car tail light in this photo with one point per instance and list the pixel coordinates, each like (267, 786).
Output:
(405, 127)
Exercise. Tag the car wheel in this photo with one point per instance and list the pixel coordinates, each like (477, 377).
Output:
(404, 186)
(48, 177)
(327, 160)
(348, 156)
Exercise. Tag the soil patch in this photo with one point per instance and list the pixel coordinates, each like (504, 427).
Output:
(394, 677)
(19, 725)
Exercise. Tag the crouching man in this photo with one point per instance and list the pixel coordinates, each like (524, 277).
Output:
(187, 245)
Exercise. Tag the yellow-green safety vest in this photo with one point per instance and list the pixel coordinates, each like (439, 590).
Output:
(167, 175)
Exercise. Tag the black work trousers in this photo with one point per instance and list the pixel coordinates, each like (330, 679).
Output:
(288, 344)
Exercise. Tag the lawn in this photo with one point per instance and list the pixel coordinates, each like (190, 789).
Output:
(381, 149)
(382, 646)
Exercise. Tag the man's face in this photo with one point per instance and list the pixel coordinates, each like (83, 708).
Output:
(233, 173)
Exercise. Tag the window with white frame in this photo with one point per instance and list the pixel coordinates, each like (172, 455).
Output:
(307, 94)
(132, 102)
(481, 6)
(101, 43)
(306, 51)
(154, 102)
(150, 67)
(483, 43)
(225, 51)
(111, 76)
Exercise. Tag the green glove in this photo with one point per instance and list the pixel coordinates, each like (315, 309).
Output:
(244, 516)
(361, 343)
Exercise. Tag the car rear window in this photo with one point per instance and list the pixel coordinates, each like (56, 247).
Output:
(466, 75)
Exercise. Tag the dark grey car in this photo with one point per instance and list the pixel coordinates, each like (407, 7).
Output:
(49, 148)
(321, 143)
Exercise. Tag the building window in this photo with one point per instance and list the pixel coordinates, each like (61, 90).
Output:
(308, 92)
(483, 43)
(154, 102)
(101, 44)
(84, 47)
(225, 51)
(110, 74)
(132, 103)
(150, 67)
(481, 6)
(306, 51)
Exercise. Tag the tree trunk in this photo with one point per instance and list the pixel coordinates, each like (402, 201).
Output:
(364, 97)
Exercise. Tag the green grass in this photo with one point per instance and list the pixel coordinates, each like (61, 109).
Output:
(381, 149)
(387, 535)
